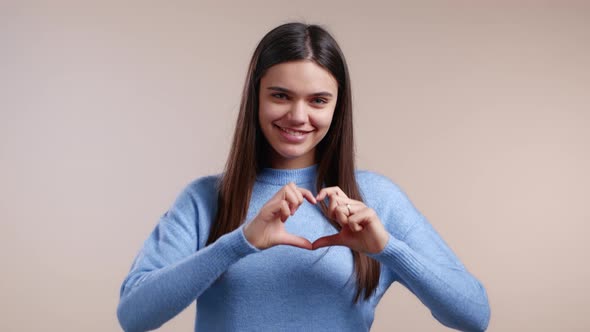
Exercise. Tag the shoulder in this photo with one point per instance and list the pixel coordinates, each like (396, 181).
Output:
(363, 175)
(389, 200)
(198, 193)
(204, 185)
(373, 184)
(194, 207)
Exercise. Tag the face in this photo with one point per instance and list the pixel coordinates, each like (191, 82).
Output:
(296, 104)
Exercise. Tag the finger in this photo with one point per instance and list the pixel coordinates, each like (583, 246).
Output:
(333, 206)
(324, 193)
(330, 191)
(351, 207)
(291, 198)
(326, 241)
(345, 209)
(308, 195)
(333, 196)
(321, 195)
(282, 210)
(297, 193)
(280, 195)
(353, 223)
(354, 202)
(357, 216)
(355, 227)
(363, 216)
(340, 215)
(296, 241)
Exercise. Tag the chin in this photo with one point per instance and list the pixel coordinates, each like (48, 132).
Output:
(294, 155)
(291, 155)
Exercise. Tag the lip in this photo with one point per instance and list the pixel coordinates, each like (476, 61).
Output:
(290, 137)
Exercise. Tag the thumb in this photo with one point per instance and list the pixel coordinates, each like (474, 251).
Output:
(326, 241)
(296, 241)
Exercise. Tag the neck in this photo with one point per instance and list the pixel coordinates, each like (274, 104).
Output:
(279, 162)
(284, 176)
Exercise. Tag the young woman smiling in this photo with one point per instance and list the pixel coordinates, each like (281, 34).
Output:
(291, 237)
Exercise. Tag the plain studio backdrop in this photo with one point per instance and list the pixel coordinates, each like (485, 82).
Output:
(480, 111)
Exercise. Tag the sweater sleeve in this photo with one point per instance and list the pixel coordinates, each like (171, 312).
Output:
(170, 271)
(426, 265)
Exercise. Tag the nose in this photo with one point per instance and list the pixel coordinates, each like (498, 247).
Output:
(298, 113)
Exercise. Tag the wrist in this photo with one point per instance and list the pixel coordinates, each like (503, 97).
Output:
(381, 241)
(384, 241)
(249, 235)
(246, 230)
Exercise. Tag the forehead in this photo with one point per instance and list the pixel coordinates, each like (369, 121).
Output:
(302, 77)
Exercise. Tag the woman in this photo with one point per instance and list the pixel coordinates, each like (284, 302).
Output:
(291, 237)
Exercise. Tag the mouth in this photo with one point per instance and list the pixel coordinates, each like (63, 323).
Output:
(294, 132)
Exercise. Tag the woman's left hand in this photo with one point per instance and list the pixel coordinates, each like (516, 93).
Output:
(361, 228)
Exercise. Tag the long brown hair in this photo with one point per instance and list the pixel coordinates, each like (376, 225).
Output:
(334, 154)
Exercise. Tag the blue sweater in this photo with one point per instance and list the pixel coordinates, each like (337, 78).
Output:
(240, 288)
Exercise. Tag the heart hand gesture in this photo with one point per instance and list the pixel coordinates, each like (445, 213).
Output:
(267, 229)
(361, 228)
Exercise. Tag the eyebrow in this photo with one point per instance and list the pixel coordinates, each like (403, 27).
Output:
(316, 94)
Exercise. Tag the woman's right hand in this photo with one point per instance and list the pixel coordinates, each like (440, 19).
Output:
(267, 229)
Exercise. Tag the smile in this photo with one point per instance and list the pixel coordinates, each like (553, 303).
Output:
(293, 136)
(293, 131)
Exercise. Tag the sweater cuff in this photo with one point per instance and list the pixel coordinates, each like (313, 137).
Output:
(400, 258)
(237, 243)
(245, 246)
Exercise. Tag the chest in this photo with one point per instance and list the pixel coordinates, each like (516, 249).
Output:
(288, 272)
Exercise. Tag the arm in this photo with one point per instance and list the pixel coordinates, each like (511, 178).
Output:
(429, 269)
(391, 230)
(170, 271)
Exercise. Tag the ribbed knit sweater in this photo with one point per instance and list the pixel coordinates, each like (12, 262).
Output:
(238, 287)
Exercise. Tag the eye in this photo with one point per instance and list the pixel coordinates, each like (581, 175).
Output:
(320, 101)
(280, 95)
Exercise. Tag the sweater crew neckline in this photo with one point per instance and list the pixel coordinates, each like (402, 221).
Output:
(282, 177)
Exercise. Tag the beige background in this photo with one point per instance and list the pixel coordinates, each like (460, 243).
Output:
(480, 112)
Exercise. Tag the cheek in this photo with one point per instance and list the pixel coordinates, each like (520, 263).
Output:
(265, 116)
(322, 121)
(269, 112)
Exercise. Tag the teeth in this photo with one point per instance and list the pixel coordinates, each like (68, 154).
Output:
(292, 132)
